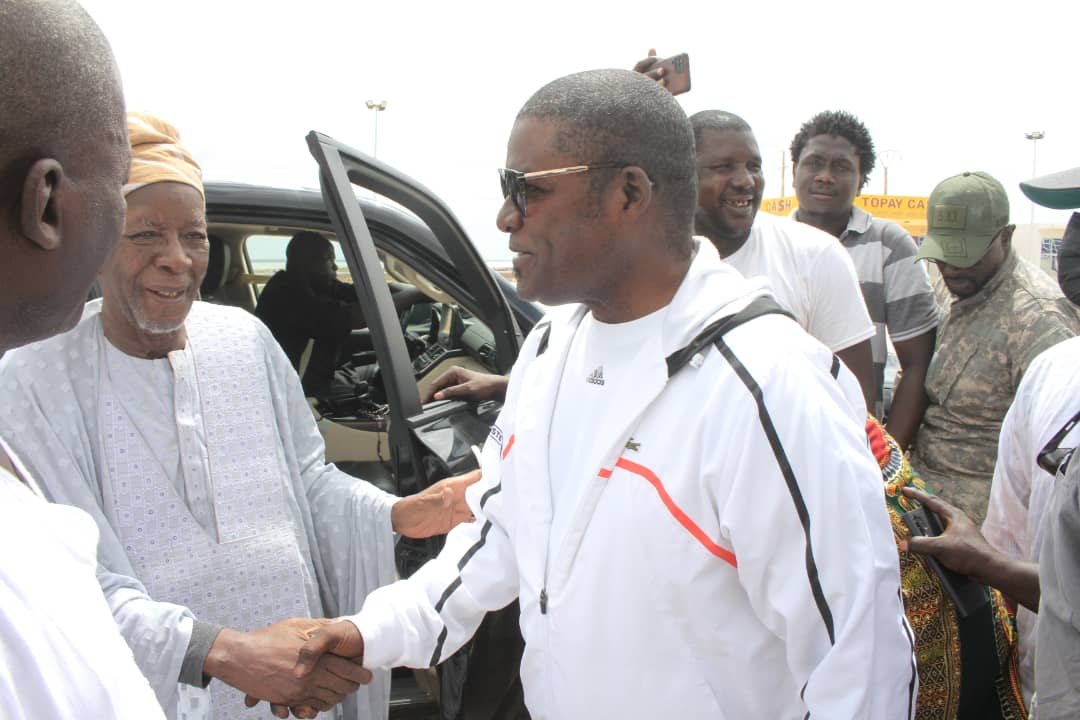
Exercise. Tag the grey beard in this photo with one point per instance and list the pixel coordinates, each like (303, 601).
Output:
(155, 328)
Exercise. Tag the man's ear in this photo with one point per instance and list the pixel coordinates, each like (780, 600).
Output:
(635, 190)
(1006, 237)
(39, 205)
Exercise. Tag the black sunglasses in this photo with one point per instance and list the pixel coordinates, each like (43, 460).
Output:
(513, 181)
(1054, 459)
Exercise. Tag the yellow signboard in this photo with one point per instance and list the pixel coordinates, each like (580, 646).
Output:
(780, 206)
(908, 211)
(894, 207)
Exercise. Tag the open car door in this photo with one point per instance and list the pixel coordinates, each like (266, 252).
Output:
(428, 442)
(418, 459)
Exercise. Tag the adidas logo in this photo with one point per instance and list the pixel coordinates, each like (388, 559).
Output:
(596, 377)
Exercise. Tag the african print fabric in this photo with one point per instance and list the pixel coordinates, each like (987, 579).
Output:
(944, 646)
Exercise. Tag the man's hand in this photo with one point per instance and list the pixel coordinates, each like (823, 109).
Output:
(435, 510)
(261, 663)
(648, 67)
(960, 547)
(340, 638)
(465, 384)
(963, 549)
(312, 707)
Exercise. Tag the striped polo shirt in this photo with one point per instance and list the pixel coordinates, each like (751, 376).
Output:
(894, 285)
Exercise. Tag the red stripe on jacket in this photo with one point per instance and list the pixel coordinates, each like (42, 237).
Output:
(676, 512)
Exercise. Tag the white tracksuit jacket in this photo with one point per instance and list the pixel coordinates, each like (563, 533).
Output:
(738, 563)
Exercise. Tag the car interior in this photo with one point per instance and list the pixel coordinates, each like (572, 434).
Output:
(439, 331)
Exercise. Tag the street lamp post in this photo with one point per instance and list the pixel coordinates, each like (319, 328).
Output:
(783, 170)
(378, 107)
(886, 160)
(1034, 136)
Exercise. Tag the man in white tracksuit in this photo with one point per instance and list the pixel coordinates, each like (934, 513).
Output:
(692, 521)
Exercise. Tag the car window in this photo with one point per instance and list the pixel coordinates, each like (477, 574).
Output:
(439, 327)
(266, 255)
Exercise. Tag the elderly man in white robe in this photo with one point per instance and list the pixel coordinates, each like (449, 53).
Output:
(182, 428)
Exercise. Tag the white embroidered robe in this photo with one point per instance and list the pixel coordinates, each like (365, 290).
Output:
(57, 417)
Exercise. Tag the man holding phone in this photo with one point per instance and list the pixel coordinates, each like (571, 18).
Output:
(672, 73)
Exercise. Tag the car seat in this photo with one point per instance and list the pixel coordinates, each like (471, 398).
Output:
(217, 271)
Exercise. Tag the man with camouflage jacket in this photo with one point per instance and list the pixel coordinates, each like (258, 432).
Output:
(1004, 312)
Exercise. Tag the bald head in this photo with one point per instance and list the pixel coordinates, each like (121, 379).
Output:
(717, 120)
(63, 158)
(59, 81)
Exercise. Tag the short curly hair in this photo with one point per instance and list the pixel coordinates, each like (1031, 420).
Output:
(838, 123)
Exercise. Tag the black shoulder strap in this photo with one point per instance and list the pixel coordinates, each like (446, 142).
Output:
(542, 346)
(764, 305)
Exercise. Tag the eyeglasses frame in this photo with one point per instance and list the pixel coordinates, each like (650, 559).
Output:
(1052, 458)
(516, 189)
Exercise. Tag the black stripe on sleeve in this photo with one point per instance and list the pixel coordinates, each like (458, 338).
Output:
(789, 479)
(475, 548)
(542, 346)
(835, 369)
(435, 656)
(447, 593)
(438, 648)
(491, 491)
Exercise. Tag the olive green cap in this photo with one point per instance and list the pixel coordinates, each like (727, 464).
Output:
(964, 215)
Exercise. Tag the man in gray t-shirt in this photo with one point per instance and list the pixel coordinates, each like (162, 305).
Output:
(833, 155)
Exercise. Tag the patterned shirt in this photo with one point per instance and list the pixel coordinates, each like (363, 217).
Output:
(985, 345)
(895, 287)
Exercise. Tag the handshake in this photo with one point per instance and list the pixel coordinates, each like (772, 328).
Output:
(303, 665)
(308, 666)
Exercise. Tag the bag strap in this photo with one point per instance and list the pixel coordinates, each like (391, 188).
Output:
(763, 305)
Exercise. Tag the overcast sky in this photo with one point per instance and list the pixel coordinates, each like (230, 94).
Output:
(950, 86)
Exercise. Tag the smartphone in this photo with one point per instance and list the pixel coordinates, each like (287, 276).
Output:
(967, 595)
(676, 72)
